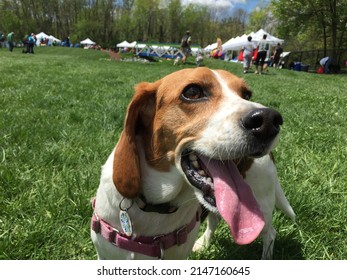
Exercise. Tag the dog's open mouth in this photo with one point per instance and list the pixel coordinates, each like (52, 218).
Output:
(223, 187)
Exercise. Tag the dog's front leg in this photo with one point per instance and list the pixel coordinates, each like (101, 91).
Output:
(205, 239)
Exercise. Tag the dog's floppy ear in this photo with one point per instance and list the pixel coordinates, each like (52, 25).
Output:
(138, 120)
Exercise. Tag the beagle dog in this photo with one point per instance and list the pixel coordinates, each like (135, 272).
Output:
(191, 141)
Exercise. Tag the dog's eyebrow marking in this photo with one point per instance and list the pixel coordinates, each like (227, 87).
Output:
(246, 93)
(224, 85)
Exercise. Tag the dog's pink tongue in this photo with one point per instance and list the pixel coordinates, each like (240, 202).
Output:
(235, 201)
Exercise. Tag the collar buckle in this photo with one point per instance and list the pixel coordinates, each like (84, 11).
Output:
(96, 223)
(157, 239)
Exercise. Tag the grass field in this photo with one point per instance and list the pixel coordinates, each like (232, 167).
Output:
(61, 112)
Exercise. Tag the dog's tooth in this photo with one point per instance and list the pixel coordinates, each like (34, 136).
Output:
(209, 180)
(193, 157)
(202, 173)
(195, 164)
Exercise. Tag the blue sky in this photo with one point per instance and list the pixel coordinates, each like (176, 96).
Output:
(227, 6)
(249, 6)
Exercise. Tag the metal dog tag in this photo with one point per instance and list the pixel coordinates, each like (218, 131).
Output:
(125, 222)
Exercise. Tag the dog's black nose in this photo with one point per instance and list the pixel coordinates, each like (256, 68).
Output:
(263, 123)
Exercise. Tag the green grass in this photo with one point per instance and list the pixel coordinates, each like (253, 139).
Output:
(61, 112)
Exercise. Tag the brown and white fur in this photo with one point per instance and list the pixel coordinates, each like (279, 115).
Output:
(206, 112)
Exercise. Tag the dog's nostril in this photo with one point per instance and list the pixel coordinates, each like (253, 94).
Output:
(278, 120)
(263, 123)
(253, 121)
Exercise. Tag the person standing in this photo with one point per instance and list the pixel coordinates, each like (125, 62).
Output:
(10, 41)
(277, 55)
(31, 43)
(248, 49)
(263, 47)
(185, 45)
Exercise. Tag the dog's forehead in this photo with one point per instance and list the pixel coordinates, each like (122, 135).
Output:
(183, 77)
(205, 77)
(232, 81)
(233, 85)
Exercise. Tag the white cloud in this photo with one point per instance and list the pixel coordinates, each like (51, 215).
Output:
(218, 8)
(223, 4)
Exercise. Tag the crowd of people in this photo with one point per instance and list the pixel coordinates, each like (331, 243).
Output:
(250, 53)
(28, 42)
(264, 55)
(257, 53)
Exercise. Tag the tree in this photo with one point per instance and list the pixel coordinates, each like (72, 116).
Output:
(8, 21)
(196, 18)
(124, 28)
(146, 17)
(262, 18)
(175, 12)
(232, 26)
(321, 21)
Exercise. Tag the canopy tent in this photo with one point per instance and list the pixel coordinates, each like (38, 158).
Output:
(146, 50)
(210, 47)
(270, 38)
(238, 42)
(51, 39)
(235, 43)
(140, 46)
(87, 42)
(124, 44)
(43, 35)
(132, 45)
(40, 36)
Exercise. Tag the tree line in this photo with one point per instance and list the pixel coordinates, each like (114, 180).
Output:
(109, 21)
(304, 25)
(312, 24)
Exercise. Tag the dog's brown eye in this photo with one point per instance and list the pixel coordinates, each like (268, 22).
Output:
(193, 93)
(246, 94)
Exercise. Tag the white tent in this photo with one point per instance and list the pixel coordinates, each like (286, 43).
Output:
(51, 39)
(140, 46)
(40, 36)
(43, 35)
(132, 45)
(124, 44)
(210, 47)
(87, 42)
(238, 42)
(257, 36)
(235, 43)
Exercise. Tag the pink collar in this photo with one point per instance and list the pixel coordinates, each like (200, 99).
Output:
(152, 246)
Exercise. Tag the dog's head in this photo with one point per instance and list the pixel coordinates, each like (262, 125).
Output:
(198, 122)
